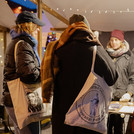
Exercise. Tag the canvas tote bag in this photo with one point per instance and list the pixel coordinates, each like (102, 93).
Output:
(90, 108)
(27, 101)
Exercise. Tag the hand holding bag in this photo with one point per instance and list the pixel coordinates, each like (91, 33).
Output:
(27, 100)
(90, 108)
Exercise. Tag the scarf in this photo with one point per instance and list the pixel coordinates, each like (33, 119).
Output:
(49, 64)
(14, 35)
(116, 53)
(35, 48)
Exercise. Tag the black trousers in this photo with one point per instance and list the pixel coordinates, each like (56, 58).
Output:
(115, 124)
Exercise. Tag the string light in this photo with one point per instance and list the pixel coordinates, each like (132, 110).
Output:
(70, 8)
(113, 12)
(127, 10)
(106, 11)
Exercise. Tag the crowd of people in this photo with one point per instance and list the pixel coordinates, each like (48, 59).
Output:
(64, 69)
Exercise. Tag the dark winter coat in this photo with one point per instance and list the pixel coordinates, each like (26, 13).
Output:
(125, 82)
(75, 59)
(26, 66)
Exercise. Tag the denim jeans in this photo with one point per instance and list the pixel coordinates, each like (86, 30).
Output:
(32, 128)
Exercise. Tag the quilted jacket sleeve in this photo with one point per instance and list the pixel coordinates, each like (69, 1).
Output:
(27, 66)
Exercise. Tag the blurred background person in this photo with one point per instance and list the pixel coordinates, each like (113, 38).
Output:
(123, 89)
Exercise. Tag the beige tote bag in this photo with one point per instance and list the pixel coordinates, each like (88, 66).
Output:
(90, 108)
(27, 101)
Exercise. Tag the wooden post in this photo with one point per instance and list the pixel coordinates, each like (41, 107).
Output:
(5, 41)
(52, 12)
(39, 11)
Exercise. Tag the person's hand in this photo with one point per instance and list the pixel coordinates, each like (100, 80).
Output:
(126, 97)
(96, 33)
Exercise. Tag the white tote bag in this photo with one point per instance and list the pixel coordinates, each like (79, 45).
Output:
(27, 101)
(90, 108)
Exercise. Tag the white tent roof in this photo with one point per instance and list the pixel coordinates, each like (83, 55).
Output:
(103, 15)
(7, 17)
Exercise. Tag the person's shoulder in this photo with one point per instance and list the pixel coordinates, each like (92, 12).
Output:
(132, 50)
(101, 49)
(24, 46)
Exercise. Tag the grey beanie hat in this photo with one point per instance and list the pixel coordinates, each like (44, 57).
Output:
(77, 18)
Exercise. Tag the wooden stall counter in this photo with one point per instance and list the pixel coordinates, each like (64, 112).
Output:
(121, 107)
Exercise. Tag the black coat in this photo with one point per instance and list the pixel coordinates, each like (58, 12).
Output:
(75, 59)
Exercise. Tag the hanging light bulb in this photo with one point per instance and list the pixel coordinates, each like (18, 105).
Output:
(128, 9)
(113, 12)
(91, 11)
(106, 11)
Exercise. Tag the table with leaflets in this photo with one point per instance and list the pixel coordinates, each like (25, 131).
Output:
(121, 107)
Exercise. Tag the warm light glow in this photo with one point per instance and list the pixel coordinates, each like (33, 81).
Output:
(19, 7)
(17, 10)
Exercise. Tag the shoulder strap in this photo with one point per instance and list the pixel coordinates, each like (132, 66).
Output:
(15, 49)
(94, 56)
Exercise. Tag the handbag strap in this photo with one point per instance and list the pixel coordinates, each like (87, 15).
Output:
(15, 49)
(94, 56)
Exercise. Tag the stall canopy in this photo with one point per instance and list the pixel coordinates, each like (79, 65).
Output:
(103, 15)
(7, 17)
